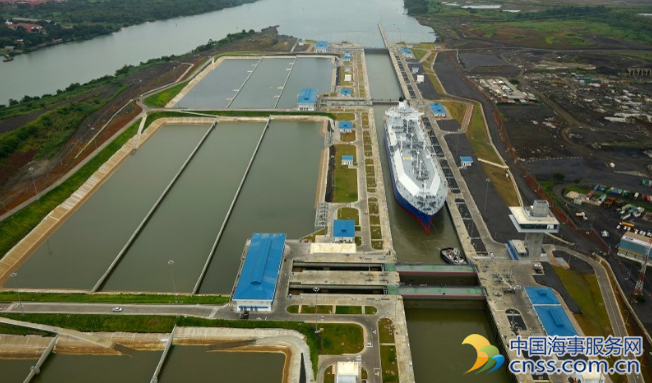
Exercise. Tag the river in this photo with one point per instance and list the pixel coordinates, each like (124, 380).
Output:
(49, 69)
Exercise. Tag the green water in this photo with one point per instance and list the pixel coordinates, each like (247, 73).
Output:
(277, 197)
(219, 86)
(77, 254)
(438, 354)
(196, 364)
(137, 367)
(186, 223)
(15, 370)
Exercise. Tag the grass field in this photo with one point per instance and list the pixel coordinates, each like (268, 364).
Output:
(349, 213)
(159, 100)
(9, 296)
(348, 310)
(338, 339)
(370, 310)
(388, 364)
(456, 110)
(321, 309)
(586, 293)
(386, 330)
(479, 138)
(345, 188)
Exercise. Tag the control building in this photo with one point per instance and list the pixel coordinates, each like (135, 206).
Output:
(535, 221)
(259, 274)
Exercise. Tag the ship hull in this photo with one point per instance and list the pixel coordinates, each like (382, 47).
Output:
(424, 219)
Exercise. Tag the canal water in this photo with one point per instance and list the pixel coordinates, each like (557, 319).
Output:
(186, 224)
(219, 86)
(138, 367)
(279, 196)
(15, 370)
(307, 72)
(183, 364)
(411, 243)
(196, 364)
(53, 68)
(77, 254)
(436, 338)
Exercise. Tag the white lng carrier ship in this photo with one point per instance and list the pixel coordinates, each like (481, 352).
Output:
(417, 178)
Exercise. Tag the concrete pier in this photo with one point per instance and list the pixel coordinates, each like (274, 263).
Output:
(161, 361)
(36, 369)
(228, 213)
(149, 215)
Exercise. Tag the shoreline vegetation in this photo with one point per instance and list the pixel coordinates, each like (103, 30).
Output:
(80, 20)
(539, 24)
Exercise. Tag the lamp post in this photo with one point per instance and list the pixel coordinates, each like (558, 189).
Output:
(316, 290)
(20, 302)
(486, 191)
(174, 286)
(31, 173)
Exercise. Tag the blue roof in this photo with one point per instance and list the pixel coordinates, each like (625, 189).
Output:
(466, 159)
(347, 57)
(307, 96)
(555, 321)
(437, 108)
(344, 227)
(321, 44)
(541, 296)
(345, 125)
(347, 158)
(345, 92)
(406, 51)
(261, 267)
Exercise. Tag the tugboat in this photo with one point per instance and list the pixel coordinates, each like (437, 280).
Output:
(452, 256)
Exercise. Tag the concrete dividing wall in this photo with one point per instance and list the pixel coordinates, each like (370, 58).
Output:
(37, 367)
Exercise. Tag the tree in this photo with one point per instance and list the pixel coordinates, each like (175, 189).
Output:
(558, 177)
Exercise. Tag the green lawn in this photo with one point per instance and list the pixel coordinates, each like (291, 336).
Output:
(338, 339)
(111, 298)
(329, 377)
(456, 110)
(345, 180)
(386, 330)
(294, 309)
(348, 310)
(159, 100)
(388, 364)
(586, 293)
(370, 310)
(349, 213)
(321, 309)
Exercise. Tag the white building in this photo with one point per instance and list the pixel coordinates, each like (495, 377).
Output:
(347, 372)
(535, 221)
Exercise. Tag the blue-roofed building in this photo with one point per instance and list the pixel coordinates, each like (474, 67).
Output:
(347, 160)
(541, 295)
(259, 275)
(321, 46)
(465, 161)
(555, 321)
(407, 53)
(438, 109)
(345, 126)
(346, 92)
(307, 100)
(347, 57)
(344, 230)
(634, 246)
